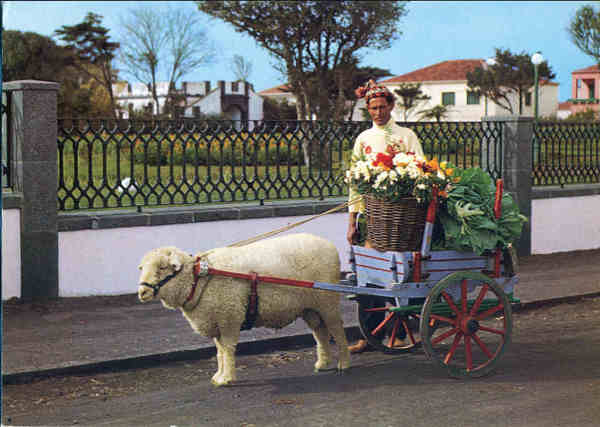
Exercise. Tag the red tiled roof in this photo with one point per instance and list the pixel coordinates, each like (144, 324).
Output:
(564, 105)
(590, 69)
(444, 71)
(284, 88)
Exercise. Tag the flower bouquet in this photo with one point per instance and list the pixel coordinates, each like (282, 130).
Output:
(396, 188)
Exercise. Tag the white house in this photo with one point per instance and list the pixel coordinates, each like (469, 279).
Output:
(237, 100)
(446, 84)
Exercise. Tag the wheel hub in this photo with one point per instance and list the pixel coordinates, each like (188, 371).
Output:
(472, 326)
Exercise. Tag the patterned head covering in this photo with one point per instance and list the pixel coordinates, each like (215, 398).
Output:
(372, 90)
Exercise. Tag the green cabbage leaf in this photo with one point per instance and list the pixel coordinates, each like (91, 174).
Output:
(467, 215)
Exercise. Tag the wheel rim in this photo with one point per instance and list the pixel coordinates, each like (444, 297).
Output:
(476, 329)
(387, 330)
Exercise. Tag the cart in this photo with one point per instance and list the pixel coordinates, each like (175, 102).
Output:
(456, 305)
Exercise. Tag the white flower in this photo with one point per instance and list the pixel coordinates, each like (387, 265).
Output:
(421, 186)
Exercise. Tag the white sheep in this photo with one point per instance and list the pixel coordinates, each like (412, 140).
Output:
(217, 306)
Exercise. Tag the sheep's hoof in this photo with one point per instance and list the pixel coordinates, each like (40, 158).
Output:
(341, 371)
(221, 383)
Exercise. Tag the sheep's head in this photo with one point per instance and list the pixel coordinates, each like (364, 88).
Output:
(158, 267)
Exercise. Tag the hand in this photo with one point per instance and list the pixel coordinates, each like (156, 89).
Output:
(352, 234)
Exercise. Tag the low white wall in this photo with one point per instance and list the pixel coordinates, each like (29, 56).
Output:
(11, 253)
(104, 262)
(565, 224)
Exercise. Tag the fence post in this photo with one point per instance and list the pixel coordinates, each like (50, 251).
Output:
(33, 167)
(517, 139)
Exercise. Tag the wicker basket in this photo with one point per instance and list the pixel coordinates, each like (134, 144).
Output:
(395, 226)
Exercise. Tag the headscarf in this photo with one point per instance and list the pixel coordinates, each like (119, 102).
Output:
(371, 90)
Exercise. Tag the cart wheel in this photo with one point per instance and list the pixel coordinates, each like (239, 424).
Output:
(466, 337)
(385, 330)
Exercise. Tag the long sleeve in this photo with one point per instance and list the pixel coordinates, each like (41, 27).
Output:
(352, 193)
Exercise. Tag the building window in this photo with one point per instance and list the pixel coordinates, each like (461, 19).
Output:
(148, 108)
(472, 98)
(448, 98)
(196, 111)
(528, 99)
(578, 83)
(234, 86)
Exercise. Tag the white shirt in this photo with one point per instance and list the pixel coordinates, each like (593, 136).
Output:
(378, 138)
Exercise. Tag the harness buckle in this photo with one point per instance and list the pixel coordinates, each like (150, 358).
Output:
(202, 268)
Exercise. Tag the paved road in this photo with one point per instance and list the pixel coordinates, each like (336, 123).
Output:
(549, 377)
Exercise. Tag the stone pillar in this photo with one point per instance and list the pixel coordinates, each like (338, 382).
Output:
(517, 140)
(33, 124)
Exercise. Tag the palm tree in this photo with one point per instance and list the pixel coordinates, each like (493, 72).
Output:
(438, 113)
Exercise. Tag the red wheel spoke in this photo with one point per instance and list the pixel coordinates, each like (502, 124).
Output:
(492, 330)
(376, 309)
(463, 295)
(488, 313)
(482, 346)
(453, 348)
(468, 353)
(450, 302)
(479, 299)
(394, 331)
(382, 324)
(409, 332)
(442, 319)
(445, 335)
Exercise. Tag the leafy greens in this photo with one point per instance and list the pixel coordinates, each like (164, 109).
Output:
(467, 215)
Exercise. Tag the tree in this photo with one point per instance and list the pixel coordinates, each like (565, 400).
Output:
(90, 44)
(584, 30)
(242, 68)
(510, 74)
(278, 110)
(438, 113)
(318, 37)
(32, 56)
(167, 43)
(410, 95)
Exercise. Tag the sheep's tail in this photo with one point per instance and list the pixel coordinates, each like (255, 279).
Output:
(290, 226)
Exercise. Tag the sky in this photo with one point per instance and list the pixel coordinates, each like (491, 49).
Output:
(432, 32)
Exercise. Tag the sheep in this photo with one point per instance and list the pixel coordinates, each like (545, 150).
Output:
(216, 307)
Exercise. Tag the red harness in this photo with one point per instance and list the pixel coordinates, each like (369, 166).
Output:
(254, 278)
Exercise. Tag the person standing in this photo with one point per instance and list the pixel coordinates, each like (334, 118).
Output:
(384, 136)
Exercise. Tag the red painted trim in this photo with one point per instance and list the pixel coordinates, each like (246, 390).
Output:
(374, 257)
(370, 256)
(498, 201)
(374, 268)
(432, 208)
(417, 267)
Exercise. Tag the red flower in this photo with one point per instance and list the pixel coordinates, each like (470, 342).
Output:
(385, 160)
(368, 149)
(391, 150)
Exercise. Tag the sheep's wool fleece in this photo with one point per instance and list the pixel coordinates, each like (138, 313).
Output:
(295, 256)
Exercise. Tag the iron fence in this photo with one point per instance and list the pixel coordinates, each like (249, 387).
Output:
(112, 164)
(565, 153)
(5, 175)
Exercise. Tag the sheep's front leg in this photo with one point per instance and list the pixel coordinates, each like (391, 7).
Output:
(226, 374)
(217, 376)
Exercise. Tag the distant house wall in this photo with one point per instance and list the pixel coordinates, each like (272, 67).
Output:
(237, 99)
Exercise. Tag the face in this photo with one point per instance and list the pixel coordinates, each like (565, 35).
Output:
(380, 110)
